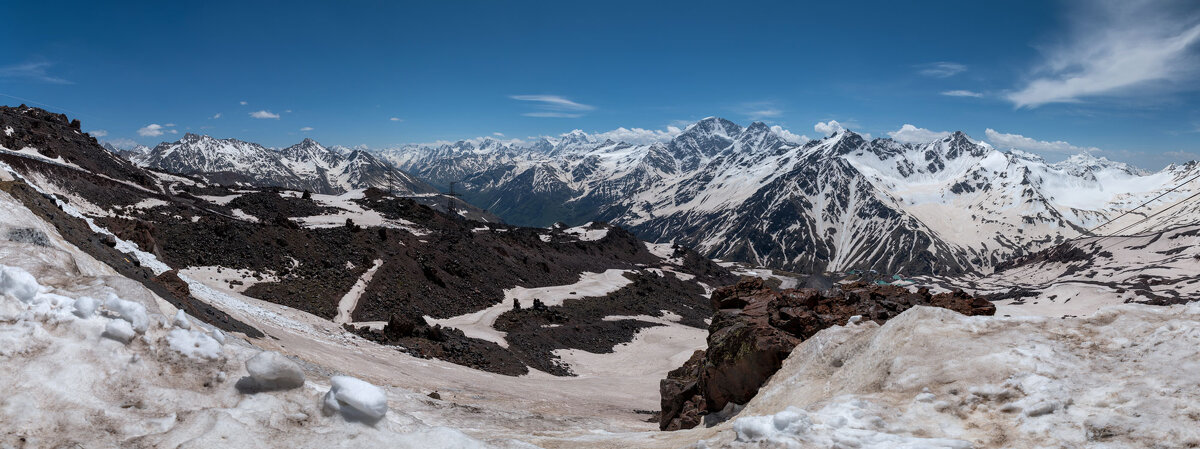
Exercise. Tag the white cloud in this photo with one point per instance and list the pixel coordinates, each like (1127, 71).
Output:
(169, 125)
(287, 111)
(553, 114)
(827, 128)
(243, 102)
(637, 136)
(306, 128)
(1117, 47)
(941, 69)
(35, 71)
(264, 114)
(962, 93)
(217, 115)
(757, 110)
(911, 134)
(122, 143)
(151, 130)
(554, 106)
(1020, 142)
(396, 119)
(498, 134)
(788, 135)
(98, 133)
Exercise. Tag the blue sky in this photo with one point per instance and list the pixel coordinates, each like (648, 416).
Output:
(1116, 78)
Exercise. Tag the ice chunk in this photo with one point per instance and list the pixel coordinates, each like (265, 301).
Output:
(181, 320)
(270, 370)
(19, 283)
(193, 344)
(760, 428)
(355, 399)
(85, 306)
(119, 330)
(130, 311)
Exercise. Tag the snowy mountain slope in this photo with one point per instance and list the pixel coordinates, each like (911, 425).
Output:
(1084, 275)
(838, 203)
(305, 166)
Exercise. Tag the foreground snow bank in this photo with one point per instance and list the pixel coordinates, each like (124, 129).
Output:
(155, 382)
(1127, 376)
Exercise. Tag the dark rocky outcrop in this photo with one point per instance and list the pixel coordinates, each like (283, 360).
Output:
(755, 328)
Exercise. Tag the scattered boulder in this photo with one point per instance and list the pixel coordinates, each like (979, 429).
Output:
(271, 371)
(119, 330)
(355, 399)
(755, 328)
(85, 306)
(28, 235)
(18, 283)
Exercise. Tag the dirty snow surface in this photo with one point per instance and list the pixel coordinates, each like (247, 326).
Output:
(1085, 275)
(89, 358)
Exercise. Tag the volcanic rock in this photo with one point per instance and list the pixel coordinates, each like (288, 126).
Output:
(755, 328)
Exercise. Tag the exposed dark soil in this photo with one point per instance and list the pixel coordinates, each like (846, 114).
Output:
(77, 232)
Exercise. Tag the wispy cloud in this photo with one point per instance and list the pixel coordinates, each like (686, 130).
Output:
(264, 114)
(553, 114)
(1020, 142)
(98, 133)
(758, 110)
(243, 102)
(962, 93)
(942, 69)
(554, 106)
(151, 130)
(216, 116)
(33, 71)
(306, 129)
(912, 134)
(1115, 47)
(498, 134)
(396, 119)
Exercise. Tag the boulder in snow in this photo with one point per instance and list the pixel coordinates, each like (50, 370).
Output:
(85, 306)
(355, 399)
(270, 370)
(181, 320)
(18, 283)
(119, 330)
(129, 311)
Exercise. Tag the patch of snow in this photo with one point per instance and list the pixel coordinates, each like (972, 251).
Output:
(349, 301)
(480, 324)
(194, 344)
(134, 313)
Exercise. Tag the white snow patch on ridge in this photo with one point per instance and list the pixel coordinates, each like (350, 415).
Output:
(480, 324)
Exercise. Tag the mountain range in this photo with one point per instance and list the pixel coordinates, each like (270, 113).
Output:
(838, 203)
(307, 165)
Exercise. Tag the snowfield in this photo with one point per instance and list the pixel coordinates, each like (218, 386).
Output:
(89, 358)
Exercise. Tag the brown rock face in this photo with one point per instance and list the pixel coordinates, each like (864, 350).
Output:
(755, 328)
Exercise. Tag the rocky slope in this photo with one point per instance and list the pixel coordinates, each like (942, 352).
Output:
(361, 259)
(755, 328)
(953, 205)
